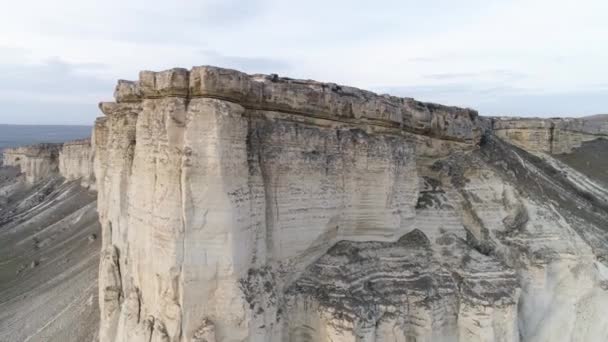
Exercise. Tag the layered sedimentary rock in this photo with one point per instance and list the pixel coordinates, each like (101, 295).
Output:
(37, 162)
(241, 207)
(72, 160)
(76, 162)
(555, 136)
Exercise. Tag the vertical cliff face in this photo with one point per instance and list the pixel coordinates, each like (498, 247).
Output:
(555, 136)
(72, 160)
(76, 162)
(36, 162)
(241, 207)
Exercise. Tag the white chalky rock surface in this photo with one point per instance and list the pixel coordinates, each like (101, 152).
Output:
(36, 162)
(242, 207)
(76, 162)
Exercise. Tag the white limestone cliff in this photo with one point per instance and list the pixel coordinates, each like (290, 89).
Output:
(72, 160)
(76, 162)
(241, 207)
(36, 162)
(555, 136)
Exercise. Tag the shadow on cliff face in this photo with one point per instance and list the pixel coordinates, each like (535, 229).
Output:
(49, 254)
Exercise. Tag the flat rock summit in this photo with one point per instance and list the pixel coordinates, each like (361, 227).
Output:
(211, 205)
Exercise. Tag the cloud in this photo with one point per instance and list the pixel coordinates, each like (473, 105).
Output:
(54, 76)
(160, 22)
(222, 13)
(54, 91)
(247, 64)
(34, 112)
(457, 53)
(57, 91)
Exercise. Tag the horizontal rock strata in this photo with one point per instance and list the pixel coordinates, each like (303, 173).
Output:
(241, 207)
(76, 162)
(308, 98)
(555, 136)
(72, 160)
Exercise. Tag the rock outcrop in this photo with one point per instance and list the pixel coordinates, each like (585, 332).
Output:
(555, 136)
(72, 160)
(37, 162)
(241, 207)
(76, 162)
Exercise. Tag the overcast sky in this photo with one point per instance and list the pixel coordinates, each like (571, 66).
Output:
(59, 58)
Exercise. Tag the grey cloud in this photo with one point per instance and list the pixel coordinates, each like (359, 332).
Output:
(60, 92)
(52, 92)
(162, 22)
(50, 113)
(54, 76)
